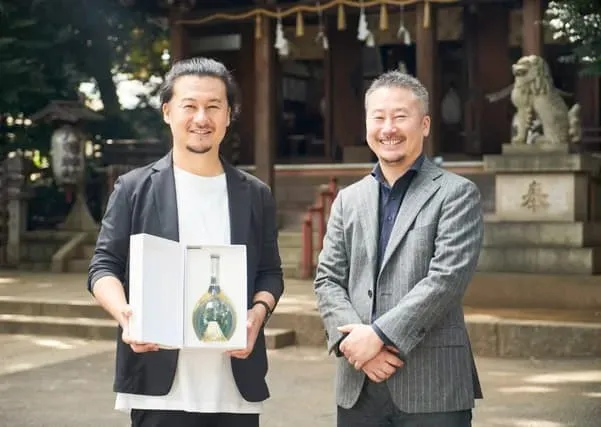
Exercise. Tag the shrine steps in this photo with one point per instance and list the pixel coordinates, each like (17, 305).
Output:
(290, 244)
(523, 316)
(518, 291)
(83, 320)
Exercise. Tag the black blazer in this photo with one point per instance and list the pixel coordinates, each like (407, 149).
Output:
(144, 201)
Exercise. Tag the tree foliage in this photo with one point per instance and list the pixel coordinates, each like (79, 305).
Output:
(47, 47)
(578, 22)
(107, 38)
(31, 71)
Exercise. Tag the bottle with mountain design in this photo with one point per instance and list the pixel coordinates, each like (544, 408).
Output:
(214, 316)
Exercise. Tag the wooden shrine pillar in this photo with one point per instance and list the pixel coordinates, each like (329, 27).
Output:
(427, 68)
(245, 77)
(532, 27)
(345, 117)
(486, 29)
(328, 95)
(178, 37)
(265, 102)
(588, 93)
(471, 124)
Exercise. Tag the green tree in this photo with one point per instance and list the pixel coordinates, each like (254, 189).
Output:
(31, 71)
(47, 47)
(578, 22)
(105, 38)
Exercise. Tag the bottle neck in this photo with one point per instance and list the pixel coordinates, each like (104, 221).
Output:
(214, 286)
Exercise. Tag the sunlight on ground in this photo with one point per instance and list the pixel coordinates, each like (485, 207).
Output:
(500, 374)
(7, 280)
(44, 285)
(525, 423)
(595, 395)
(527, 389)
(27, 352)
(53, 343)
(297, 300)
(304, 354)
(536, 423)
(565, 377)
(481, 317)
(17, 367)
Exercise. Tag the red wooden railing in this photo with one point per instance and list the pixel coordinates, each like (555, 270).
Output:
(317, 213)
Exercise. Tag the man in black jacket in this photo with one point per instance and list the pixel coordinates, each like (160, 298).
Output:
(191, 195)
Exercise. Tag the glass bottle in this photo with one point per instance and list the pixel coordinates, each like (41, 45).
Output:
(214, 316)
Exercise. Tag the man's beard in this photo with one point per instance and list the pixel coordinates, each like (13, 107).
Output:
(395, 160)
(201, 150)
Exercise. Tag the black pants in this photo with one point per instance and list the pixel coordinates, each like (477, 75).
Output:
(151, 418)
(375, 408)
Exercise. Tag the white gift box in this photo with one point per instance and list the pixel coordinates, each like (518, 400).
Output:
(167, 280)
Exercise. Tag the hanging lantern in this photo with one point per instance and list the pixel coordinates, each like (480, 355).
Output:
(281, 44)
(407, 38)
(321, 34)
(363, 33)
(403, 32)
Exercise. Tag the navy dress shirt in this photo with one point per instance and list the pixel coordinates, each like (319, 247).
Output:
(391, 199)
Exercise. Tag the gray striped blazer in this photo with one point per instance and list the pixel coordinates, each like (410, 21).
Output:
(429, 261)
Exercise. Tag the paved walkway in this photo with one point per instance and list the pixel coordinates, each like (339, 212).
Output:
(50, 382)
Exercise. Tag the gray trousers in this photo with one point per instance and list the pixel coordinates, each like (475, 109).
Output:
(375, 408)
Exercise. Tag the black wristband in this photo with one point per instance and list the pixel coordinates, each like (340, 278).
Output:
(267, 310)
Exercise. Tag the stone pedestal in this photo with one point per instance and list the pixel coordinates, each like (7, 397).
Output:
(547, 217)
(79, 218)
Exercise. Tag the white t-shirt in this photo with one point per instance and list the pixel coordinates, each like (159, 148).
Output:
(203, 381)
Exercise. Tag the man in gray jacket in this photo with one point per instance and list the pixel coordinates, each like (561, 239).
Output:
(400, 249)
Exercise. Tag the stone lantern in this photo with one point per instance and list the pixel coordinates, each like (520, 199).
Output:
(67, 154)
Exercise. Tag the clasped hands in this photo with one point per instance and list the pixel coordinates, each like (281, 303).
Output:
(364, 349)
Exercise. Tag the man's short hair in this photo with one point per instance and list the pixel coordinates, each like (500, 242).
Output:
(201, 67)
(396, 79)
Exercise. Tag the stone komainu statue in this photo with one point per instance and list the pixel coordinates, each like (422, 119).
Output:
(537, 100)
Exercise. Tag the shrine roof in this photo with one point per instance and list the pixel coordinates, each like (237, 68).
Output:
(66, 111)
